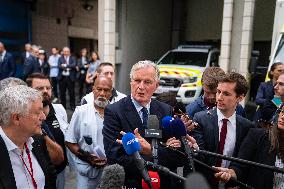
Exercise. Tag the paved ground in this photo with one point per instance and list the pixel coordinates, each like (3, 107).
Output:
(70, 179)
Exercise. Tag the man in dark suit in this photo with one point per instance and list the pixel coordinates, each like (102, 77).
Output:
(24, 160)
(131, 113)
(31, 64)
(26, 53)
(66, 77)
(221, 130)
(7, 63)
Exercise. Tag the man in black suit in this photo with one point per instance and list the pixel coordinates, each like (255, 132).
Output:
(24, 160)
(66, 77)
(7, 63)
(221, 130)
(31, 64)
(131, 113)
(26, 53)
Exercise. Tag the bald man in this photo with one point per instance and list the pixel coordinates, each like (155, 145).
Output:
(67, 76)
(84, 137)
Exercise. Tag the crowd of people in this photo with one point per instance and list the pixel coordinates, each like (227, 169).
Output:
(37, 142)
(63, 69)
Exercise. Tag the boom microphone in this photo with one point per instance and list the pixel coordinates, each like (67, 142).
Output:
(112, 177)
(154, 133)
(132, 147)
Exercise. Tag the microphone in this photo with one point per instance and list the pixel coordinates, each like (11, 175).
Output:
(196, 181)
(132, 147)
(176, 128)
(167, 130)
(112, 177)
(155, 181)
(154, 133)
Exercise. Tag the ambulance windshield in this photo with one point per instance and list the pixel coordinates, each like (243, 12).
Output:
(186, 58)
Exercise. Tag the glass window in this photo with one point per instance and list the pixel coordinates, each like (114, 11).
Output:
(185, 58)
(279, 56)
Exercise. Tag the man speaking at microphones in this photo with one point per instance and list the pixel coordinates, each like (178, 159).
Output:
(132, 112)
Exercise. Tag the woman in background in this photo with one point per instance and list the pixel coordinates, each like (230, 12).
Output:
(91, 72)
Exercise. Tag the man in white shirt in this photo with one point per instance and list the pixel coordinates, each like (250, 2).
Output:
(23, 161)
(221, 130)
(84, 136)
(53, 73)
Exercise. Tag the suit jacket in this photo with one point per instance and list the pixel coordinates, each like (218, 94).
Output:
(7, 66)
(31, 65)
(7, 179)
(123, 116)
(23, 57)
(71, 65)
(255, 147)
(265, 92)
(207, 134)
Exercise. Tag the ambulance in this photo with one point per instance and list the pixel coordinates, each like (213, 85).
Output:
(277, 47)
(181, 70)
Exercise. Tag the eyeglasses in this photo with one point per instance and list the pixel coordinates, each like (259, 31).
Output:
(279, 83)
(43, 87)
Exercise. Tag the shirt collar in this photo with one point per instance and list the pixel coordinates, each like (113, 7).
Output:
(10, 145)
(221, 116)
(139, 107)
(3, 53)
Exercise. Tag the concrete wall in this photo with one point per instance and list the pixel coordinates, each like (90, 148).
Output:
(263, 20)
(203, 20)
(48, 33)
(145, 34)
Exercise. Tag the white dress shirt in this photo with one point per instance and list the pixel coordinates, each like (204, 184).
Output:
(22, 176)
(86, 123)
(138, 107)
(230, 141)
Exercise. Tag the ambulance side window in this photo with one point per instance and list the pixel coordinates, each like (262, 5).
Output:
(214, 59)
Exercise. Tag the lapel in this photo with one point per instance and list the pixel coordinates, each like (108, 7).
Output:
(6, 170)
(213, 126)
(238, 134)
(131, 114)
(155, 110)
(214, 120)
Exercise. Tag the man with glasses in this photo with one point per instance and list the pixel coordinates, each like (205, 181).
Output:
(270, 106)
(55, 124)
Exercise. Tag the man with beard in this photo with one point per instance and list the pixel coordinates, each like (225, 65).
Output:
(55, 124)
(84, 136)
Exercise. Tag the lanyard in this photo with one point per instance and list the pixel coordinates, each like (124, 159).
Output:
(30, 171)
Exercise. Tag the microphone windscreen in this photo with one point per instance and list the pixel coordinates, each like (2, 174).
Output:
(167, 130)
(130, 143)
(196, 181)
(112, 177)
(155, 181)
(153, 122)
(178, 128)
(166, 121)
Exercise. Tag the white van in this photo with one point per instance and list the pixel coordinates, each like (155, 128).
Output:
(181, 70)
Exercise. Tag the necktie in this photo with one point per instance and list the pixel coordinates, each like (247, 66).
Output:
(144, 116)
(223, 135)
(1, 57)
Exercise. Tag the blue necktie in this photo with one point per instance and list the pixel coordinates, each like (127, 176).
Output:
(144, 117)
